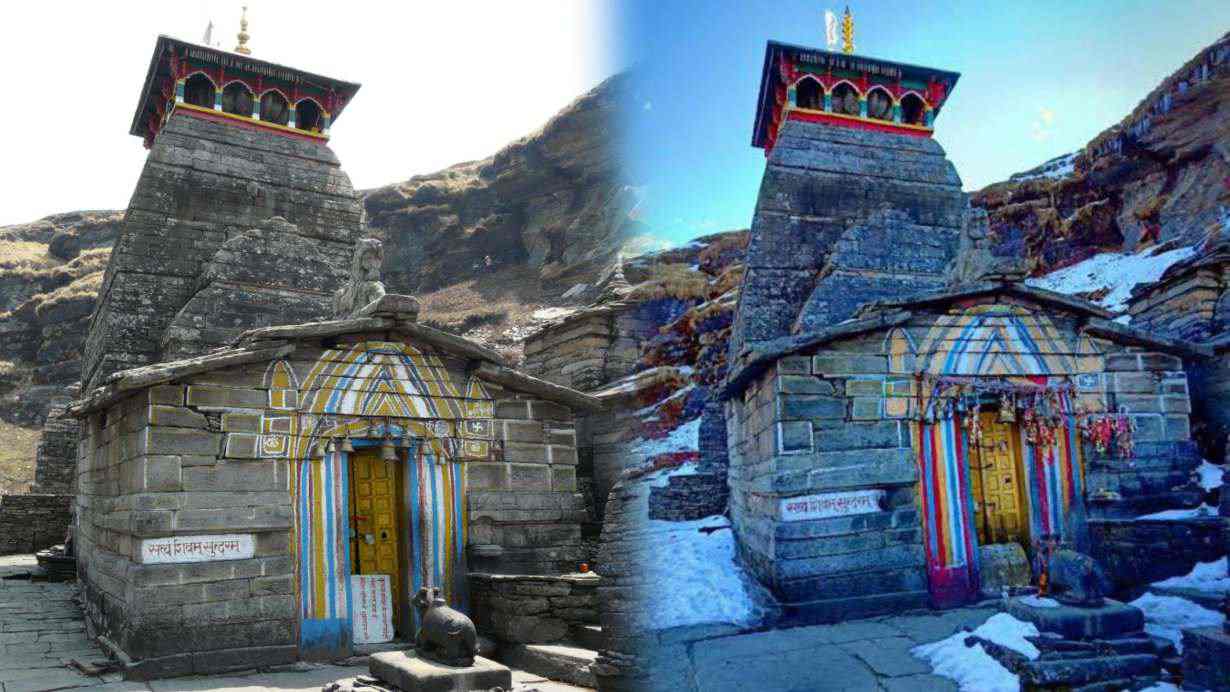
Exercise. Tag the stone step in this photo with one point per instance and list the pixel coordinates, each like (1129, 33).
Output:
(588, 636)
(564, 662)
(1205, 599)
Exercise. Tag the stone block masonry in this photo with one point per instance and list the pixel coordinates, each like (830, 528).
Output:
(183, 277)
(832, 198)
(533, 609)
(33, 522)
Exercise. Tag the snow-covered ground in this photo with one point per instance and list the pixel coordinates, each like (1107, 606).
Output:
(1201, 511)
(972, 667)
(1056, 168)
(1210, 577)
(681, 439)
(1165, 616)
(698, 577)
(1117, 271)
(695, 572)
(1210, 475)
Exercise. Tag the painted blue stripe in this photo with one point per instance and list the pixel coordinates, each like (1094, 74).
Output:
(1034, 351)
(414, 376)
(305, 545)
(329, 537)
(344, 469)
(954, 497)
(929, 490)
(435, 524)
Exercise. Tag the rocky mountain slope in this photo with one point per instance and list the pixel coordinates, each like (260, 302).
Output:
(485, 243)
(1158, 176)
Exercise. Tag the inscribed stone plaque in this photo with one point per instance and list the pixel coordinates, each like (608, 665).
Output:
(198, 548)
(372, 619)
(831, 505)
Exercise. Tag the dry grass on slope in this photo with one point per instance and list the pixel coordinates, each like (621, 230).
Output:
(17, 449)
(24, 256)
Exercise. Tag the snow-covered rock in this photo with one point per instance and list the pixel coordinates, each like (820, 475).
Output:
(972, 667)
(1113, 272)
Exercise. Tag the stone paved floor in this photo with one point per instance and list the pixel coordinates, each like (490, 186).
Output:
(41, 630)
(872, 655)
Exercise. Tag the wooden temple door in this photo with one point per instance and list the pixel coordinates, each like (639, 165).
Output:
(374, 518)
(1000, 513)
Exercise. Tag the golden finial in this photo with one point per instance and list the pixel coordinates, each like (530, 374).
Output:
(847, 32)
(242, 47)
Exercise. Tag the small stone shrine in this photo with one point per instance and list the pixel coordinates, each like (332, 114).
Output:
(891, 413)
(252, 492)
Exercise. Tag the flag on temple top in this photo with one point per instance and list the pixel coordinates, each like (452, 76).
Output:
(830, 29)
(209, 34)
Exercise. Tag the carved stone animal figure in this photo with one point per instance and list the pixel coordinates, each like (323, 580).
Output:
(364, 285)
(445, 635)
(1077, 579)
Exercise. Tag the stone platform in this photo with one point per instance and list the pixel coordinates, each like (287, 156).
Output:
(407, 671)
(1112, 619)
(1206, 659)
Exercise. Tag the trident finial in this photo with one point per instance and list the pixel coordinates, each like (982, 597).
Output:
(242, 47)
(847, 32)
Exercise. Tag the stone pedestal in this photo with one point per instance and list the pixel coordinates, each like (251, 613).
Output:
(1110, 620)
(1206, 659)
(407, 671)
(1001, 565)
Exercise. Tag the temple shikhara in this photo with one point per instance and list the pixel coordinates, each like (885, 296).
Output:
(277, 461)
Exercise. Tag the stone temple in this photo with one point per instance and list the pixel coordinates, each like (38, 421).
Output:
(275, 455)
(906, 425)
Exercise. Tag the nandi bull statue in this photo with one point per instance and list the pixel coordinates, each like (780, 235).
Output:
(445, 635)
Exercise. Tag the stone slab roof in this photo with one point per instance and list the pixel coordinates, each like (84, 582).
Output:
(883, 315)
(268, 343)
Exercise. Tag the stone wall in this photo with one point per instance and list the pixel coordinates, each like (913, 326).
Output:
(56, 461)
(204, 185)
(1152, 389)
(1210, 384)
(1130, 549)
(1191, 305)
(533, 609)
(795, 432)
(840, 417)
(154, 466)
(527, 501)
(33, 522)
(212, 453)
(844, 216)
(586, 350)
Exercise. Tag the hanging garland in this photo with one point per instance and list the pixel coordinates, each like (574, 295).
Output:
(1042, 410)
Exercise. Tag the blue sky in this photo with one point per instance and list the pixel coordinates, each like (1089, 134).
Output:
(1038, 79)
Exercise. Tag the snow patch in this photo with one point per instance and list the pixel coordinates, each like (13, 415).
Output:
(970, 666)
(661, 480)
(1210, 577)
(1203, 510)
(1210, 475)
(1166, 616)
(700, 582)
(1039, 601)
(547, 314)
(1056, 168)
(681, 439)
(1117, 271)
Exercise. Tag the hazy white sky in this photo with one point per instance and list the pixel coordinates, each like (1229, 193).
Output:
(443, 82)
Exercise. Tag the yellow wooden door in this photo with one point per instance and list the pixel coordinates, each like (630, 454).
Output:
(373, 516)
(999, 498)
